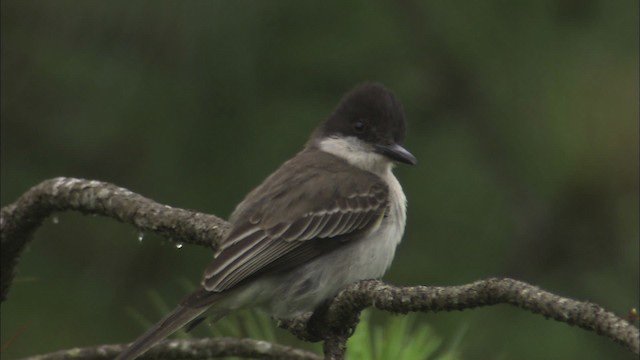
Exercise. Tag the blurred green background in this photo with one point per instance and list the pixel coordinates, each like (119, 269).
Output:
(523, 115)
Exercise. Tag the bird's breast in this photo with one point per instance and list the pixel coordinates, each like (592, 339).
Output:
(378, 248)
(368, 257)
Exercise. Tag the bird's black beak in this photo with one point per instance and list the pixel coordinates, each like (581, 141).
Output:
(397, 153)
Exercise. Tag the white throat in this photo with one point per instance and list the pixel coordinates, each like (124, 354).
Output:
(357, 153)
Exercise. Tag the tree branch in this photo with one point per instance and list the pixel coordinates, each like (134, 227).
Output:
(19, 220)
(333, 323)
(341, 315)
(189, 349)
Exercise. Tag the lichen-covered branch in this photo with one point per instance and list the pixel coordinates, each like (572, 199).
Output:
(493, 291)
(19, 220)
(189, 349)
(332, 323)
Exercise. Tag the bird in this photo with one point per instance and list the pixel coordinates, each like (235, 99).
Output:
(328, 217)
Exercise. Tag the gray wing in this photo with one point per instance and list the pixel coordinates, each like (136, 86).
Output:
(271, 235)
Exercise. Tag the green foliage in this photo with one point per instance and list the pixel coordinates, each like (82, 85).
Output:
(247, 323)
(399, 337)
(160, 307)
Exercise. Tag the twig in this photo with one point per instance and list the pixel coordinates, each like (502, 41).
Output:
(189, 348)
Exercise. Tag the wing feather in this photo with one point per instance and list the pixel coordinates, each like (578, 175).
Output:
(297, 228)
(312, 230)
(262, 257)
(331, 225)
(344, 225)
(322, 222)
(271, 233)
(226, 257)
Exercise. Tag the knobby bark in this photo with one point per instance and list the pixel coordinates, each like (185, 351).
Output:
(333, 323)
(189, 349)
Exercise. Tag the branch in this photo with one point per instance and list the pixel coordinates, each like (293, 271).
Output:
(334, 322)
(19, 220)
(341, 315)
(189, 349)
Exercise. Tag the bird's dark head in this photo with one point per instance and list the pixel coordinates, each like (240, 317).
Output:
(369, 118)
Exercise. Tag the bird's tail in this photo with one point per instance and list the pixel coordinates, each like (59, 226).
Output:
(189, 309)
(178, 318)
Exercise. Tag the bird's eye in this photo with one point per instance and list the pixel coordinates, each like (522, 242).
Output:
(359, 126)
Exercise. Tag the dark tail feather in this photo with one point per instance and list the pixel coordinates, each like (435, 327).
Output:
(178, 318)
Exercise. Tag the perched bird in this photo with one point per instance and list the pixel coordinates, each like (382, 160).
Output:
(328, 217)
